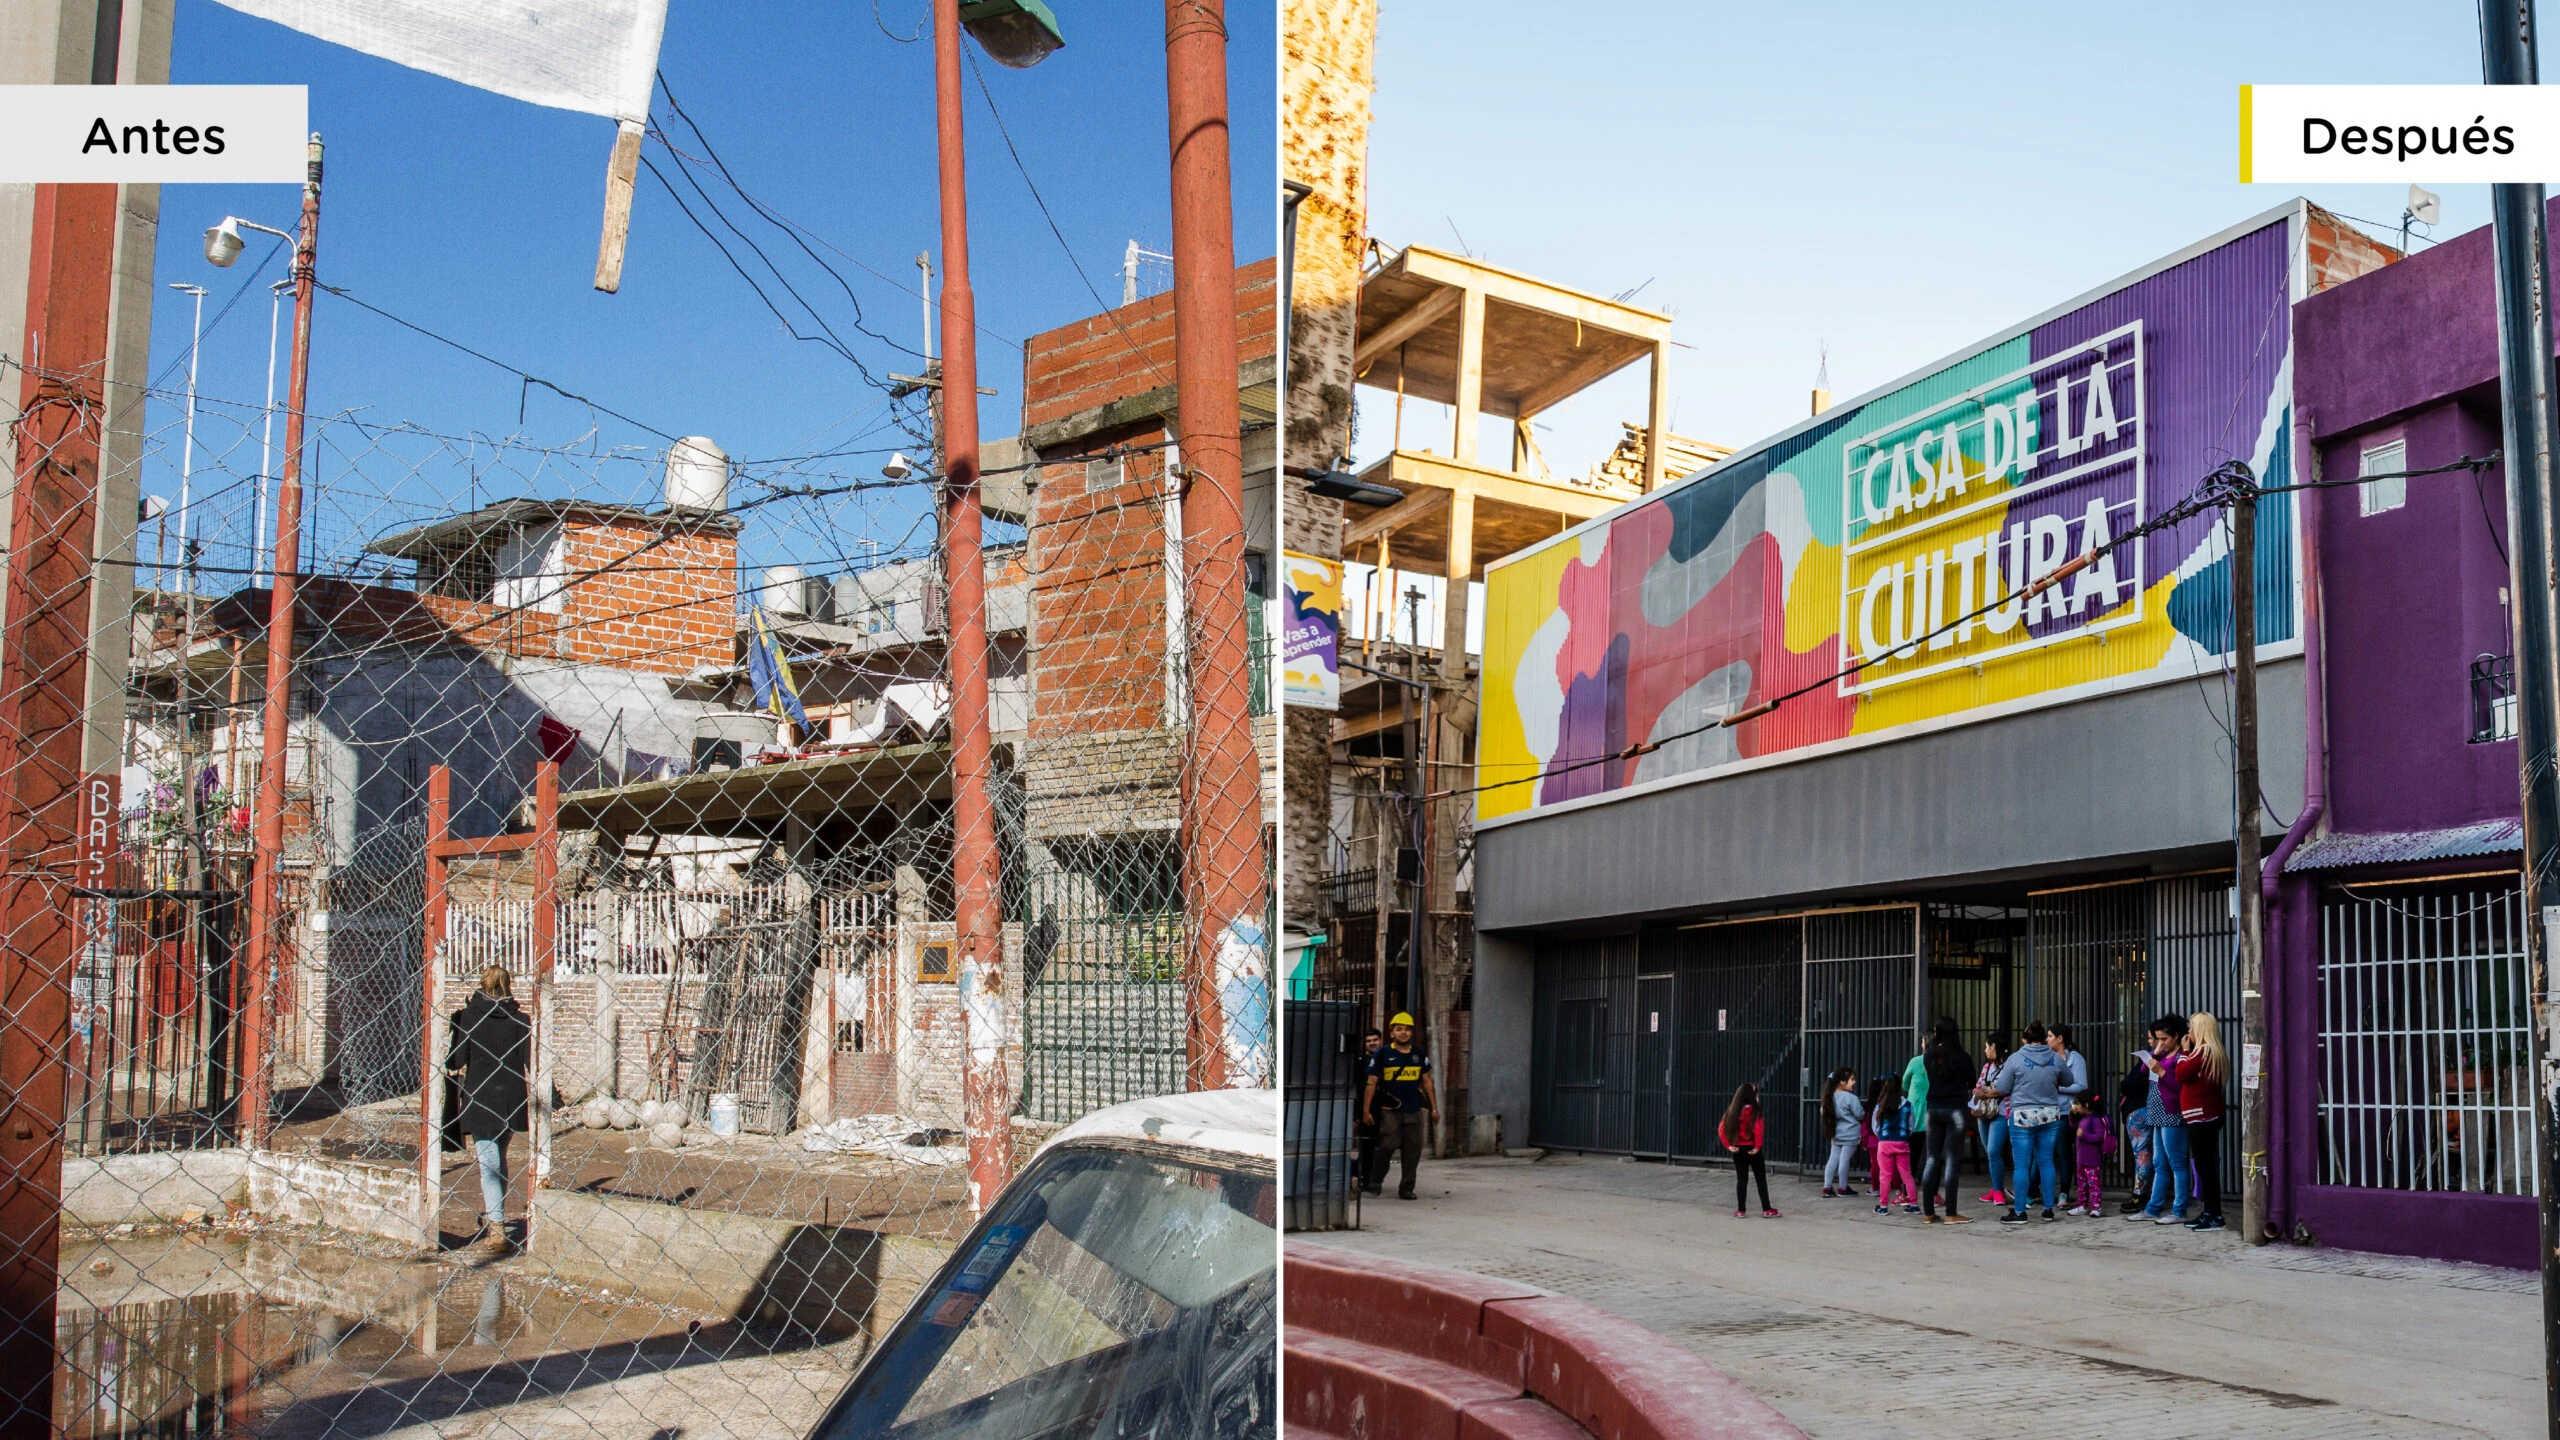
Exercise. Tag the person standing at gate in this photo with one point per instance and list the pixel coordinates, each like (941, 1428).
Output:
(1848, 1117)
(1950, 1088)
(2093, 1139)
(1399, 1100)
(2133, 1097)
(2200, 1104)
(1364, 1135)
(2168, 1127)
(1991, 1113)
(489, 1057)
(1744, 1130)
(2031, 1080)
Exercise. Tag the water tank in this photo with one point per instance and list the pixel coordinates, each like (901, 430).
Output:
(782, 592)
(850, 601)
(697, 475)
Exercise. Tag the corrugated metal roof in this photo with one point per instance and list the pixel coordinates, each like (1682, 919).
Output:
(2401, 847)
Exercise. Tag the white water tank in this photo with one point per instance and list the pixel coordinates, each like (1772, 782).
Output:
(782, 592)
(697, 475)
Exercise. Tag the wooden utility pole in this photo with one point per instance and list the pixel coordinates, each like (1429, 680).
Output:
(2248, 918)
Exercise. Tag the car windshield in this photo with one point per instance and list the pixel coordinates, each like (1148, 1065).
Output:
(1114, 1292)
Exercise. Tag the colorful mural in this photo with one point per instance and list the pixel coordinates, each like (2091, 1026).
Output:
(1869, 534)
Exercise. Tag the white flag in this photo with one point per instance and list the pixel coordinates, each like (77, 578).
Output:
(597, 56)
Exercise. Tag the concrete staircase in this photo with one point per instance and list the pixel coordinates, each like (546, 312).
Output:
(1373, 1349)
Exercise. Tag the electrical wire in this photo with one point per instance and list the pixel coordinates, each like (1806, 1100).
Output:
(979, 74)
(526, 376)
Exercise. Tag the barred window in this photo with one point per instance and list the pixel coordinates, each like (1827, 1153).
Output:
(2424, 1077)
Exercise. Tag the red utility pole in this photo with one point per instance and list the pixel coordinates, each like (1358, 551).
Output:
(1222, 872)
(986, 1097)
(266, 939)
(44, 657)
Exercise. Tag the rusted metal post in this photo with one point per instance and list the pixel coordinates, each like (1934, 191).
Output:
(44, 658)
(986, 1095)
(266, 941)
(1222, 872)
(431, 1115)
(546, 954)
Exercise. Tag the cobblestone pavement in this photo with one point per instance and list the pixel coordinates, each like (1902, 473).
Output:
(1861, 1325)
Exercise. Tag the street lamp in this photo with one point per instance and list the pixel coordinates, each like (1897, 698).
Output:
(1017, 34)
(222, 242)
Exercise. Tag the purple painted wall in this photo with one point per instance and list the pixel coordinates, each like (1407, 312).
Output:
(2410, 596)
(2413, 595)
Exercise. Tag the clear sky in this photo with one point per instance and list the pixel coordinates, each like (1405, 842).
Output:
(476, 217)
(1895, 180)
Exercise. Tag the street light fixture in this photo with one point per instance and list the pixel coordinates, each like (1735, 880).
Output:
(222, 242)
(1017, 34)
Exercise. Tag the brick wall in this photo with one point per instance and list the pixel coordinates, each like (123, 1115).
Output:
(2339, 252)
(1128, 351)
(1097, 597)
(668, 610)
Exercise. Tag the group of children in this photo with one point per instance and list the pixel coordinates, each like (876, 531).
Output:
(2030, 1107)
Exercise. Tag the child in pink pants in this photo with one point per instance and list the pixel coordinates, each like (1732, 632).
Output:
(1891, 1120)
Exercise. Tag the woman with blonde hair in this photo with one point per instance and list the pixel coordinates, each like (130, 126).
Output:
(2200, 1102)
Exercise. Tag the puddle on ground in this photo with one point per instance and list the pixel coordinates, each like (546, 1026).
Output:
(253, 1336)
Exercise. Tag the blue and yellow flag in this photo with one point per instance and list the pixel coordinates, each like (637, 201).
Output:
(770, 670)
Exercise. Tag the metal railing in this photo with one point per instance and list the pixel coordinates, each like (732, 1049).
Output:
(2424, 1080)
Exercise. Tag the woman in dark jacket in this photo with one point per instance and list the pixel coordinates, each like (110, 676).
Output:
(491, 1051)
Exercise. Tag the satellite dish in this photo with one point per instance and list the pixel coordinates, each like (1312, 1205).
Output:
(2424, 205)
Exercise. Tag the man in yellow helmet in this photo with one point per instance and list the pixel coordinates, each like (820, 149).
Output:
(1399, 1100)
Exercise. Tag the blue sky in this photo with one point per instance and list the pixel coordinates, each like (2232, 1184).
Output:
(476, 217)
(1896, 180)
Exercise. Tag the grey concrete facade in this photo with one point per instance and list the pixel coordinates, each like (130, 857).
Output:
(2120, 781)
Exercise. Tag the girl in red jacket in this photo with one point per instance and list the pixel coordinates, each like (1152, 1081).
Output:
(1744, 1130)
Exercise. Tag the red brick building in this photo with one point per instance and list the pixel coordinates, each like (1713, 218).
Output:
(1107, 675)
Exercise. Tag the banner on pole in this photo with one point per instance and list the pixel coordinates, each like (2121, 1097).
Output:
(1310, 631)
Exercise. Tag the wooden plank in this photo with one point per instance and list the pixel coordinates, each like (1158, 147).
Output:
(1600, 366)
(1657, 418)
(488, 845)
(1470, 376)
(1408, 469)
(1395, 517)
(620, 174)
(1404, 327)
(1513, 288)
(1458, 568)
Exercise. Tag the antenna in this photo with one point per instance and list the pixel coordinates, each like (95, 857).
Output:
(2423, 207)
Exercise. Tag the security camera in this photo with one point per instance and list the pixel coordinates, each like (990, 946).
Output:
(222, 243)
(898, 467)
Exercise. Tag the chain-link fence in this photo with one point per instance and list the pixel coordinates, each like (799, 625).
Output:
(615, 1053)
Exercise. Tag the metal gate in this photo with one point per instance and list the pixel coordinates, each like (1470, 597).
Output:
(1740, 1005)
(2425, 1080)
(1321, 1060)
(1583, 1044)
(377, 911)
(1861, 973)
(2106, 959)
(1655, 1025)
(1104, 1017)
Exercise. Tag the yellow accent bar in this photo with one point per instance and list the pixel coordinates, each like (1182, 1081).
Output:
(2247, 135)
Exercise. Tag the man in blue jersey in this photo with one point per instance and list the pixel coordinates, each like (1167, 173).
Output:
(1399, 1100)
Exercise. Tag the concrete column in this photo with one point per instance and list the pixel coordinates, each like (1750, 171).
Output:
(1500, 1079)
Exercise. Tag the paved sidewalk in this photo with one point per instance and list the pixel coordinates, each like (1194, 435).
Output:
(1861, 1325)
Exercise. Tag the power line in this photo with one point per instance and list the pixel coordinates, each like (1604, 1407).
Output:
(980, 75)
(526, 376)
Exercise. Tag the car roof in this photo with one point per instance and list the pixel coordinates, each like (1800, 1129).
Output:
(1239, 1122)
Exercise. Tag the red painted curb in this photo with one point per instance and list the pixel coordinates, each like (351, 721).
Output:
(1609, 1377)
